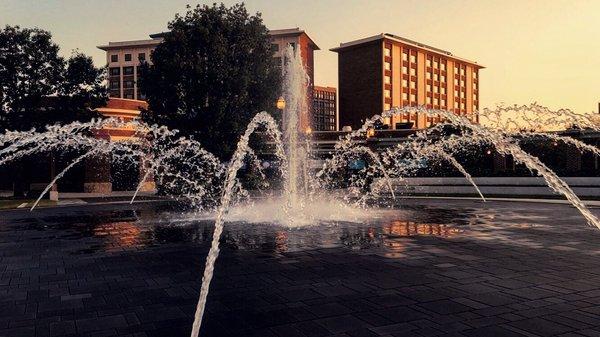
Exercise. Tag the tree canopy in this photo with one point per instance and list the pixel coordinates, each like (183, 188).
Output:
(39, 87)
(211, 74)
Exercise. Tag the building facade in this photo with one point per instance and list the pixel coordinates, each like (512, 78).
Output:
(324, 113)
(124, 59)
(297, 39)
(385, 71)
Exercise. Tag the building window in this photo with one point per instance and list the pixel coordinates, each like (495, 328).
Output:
(428, 100)
(127, 57)
(413, 84)
(443, 91)
(413, 97)
(429, 87)
(114, 58)
(413, 59)
(475, 74)
(405, 83)
(455, 104)
(127, 70)
(435, 89)
(435, 77)
(443, 102)
(388, 80)
(387, 52)
(404, 70)
(404, 96)
(386, 107)
(435, 101)
(404, 56)
(142, 56)
(387, 66)
(387, 93)
(428, 75)
(413, 72)
(428, 62)
(114, 84)
(443, 78)
(443, 66)
(114, 71)
(128, 84)
(274, 47)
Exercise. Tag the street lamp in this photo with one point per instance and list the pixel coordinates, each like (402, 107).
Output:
(370, 132)
(280, 103)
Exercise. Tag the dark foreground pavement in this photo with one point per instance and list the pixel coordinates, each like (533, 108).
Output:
(461, 269)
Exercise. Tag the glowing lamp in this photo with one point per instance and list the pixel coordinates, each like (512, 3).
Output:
(280, 103)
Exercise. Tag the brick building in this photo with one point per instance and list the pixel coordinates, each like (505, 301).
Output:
(123, 59)
(385, 71)
(297, 38)
(324, 109)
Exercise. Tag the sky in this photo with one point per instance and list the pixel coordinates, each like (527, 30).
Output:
(534, 51)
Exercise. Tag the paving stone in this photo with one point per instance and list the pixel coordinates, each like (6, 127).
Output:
(341, 324)
(541, 326)
(497, 278)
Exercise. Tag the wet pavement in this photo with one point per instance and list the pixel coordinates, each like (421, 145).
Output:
(430, 268)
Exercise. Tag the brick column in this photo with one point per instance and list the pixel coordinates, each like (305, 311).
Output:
(573, 159)
(499, 162)
(42, 171)
(97, 175)
(148, 185)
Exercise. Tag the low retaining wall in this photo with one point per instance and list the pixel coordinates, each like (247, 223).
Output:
(494, 186)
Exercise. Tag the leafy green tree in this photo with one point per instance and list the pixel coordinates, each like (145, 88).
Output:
(39, 87)
(211, 74)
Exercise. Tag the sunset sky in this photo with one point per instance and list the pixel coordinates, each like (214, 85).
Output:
(544, 51)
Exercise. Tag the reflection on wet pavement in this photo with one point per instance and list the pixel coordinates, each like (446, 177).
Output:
(135, 270)
(146, 227)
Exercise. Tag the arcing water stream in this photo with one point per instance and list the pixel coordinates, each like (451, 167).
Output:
(183, 169)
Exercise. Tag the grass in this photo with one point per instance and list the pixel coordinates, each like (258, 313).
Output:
(15, 203)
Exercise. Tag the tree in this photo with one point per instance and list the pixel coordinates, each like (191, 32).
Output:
(211, 74)
(39, 87)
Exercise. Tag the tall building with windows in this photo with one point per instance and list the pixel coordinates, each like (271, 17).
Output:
(385, 71)
(297, 38)
(123, 59)
(324, 109)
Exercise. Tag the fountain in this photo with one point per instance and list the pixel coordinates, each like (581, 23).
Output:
(188, 172)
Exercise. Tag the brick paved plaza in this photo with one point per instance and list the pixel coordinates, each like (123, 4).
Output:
(458, 268)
